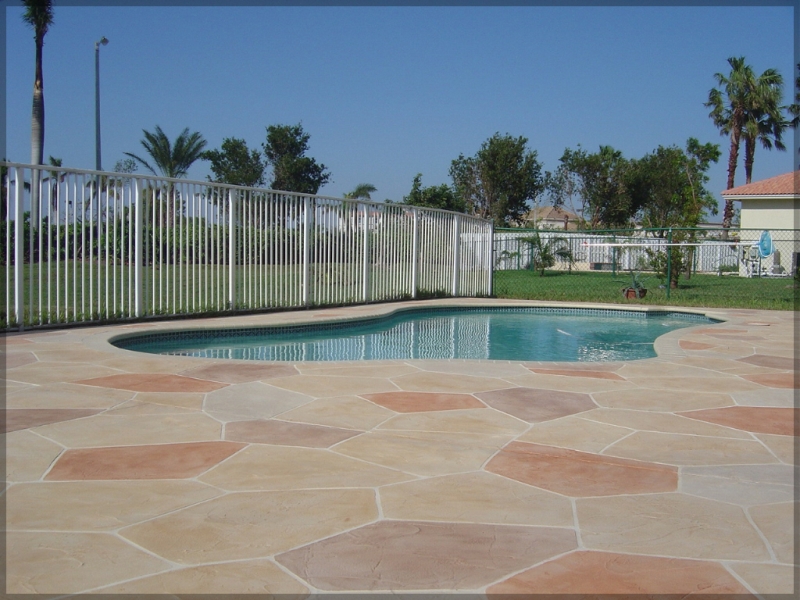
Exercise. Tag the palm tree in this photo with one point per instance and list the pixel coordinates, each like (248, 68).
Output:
(362, 190)
(736, 102)
(39, 15)
(764, 121)
(171, 159)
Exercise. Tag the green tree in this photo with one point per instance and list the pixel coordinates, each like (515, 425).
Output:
(500, 180)
(603, 181)
(362, 190)
(293, 171)
(544, 252)
(236, 164)
(672, 183)
(441, 196)
(171, 159)
(737, 101)
(39, 15)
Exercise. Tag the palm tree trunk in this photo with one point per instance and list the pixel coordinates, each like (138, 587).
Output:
(733, 158)
(37, 133)
(749, 155)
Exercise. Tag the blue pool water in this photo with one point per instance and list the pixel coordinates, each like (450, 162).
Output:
(525, 334)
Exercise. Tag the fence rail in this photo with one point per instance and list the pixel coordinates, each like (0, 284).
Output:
(85, 246)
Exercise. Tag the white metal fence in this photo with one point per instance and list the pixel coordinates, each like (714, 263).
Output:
(86, 246)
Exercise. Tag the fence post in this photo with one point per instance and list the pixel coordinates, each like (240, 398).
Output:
(138, 244)
(19, 242)
(307, 208)
(490, 253)
(365, 266)
(415, 255)
(456, 253)
(669, 261)
(232, 198)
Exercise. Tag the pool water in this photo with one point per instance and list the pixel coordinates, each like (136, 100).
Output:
(526, 334)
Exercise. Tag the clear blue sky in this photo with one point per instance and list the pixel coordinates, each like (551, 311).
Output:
(387, 92)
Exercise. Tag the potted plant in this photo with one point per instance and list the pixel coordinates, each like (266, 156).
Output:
(636, 289)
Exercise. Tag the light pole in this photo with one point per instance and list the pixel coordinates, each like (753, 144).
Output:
(102, 41)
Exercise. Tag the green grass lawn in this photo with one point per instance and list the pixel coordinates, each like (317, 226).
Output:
(700, 290)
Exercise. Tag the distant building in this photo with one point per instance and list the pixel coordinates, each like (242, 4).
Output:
(551, 217)
(770, 203)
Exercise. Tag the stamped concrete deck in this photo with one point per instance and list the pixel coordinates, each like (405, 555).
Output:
(133, 473)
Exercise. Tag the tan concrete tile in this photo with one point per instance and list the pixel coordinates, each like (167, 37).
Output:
(286, 433)
(766, 578)
(424, 453)
(28, 456)
(473, 497)
(102, 430)
(137, 407)
(593, 574)
(609, 375)
(347, 412)
(725, 385)
(661, 400)
(66, 395)
(587, 385)
(57, 373)
(669, 525)
(69, 355)
(535, 405)
(261, 467)
(403, 555)
(475, 368)
(234, 526)
(237, 372)
(663, 368)
(483, 421)
(65, 563)
(782, 398)
(782, 446)
(574, 432)
(744, 485)
(192, 400)
(776, 522)
(234, 581)
(775, 380)
(254, 400)
(97, 505)
(359, 370)
(678, 449)
(149, 382)
(319, 386)
(663, 422)
(139, 362)
(17, 359)
(447, 383)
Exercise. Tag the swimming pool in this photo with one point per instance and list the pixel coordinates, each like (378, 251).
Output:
(529, 334)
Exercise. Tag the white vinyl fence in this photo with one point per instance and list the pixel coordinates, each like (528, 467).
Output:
(85, 246)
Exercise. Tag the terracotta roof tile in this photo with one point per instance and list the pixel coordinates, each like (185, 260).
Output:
(788, 184)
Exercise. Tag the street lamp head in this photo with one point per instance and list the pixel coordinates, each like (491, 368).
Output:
(103, 40)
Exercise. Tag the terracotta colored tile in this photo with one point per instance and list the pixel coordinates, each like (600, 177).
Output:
(251, 525)
(593, 573)
(162, 461)
(774, 362)
(579, 373)
(775, 380)
(690, 345)
(534, 405)
(233, 372)
(284, 433)
(25, 418)
(577, 473)
(148, 382)
(758, 419)
(423, 401)
(674, 525)
(408, 555)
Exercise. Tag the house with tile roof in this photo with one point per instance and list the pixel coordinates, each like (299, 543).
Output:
(769, 205)
(551, 217)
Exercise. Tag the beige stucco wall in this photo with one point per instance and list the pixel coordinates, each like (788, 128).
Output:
(770, 213)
